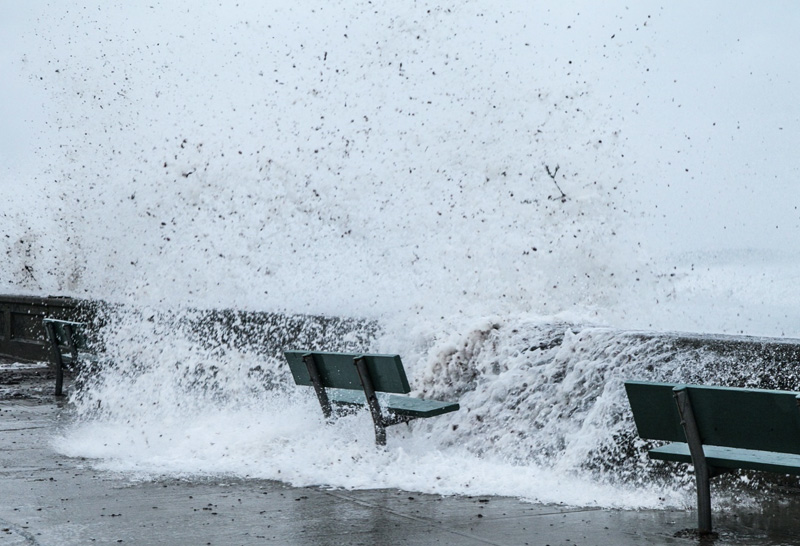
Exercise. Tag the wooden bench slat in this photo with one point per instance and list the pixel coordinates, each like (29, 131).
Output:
(417, 407)
(83, 357)
(758, 419)
(741, 418)
(338, 371)
(733, 458)
(78, 334)
(654, 411)
(400, 405)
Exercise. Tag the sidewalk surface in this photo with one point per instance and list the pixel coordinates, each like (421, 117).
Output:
(49, 499)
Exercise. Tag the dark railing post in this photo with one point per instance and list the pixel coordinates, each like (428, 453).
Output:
(319, 387)
(372, 399)
(702, 471)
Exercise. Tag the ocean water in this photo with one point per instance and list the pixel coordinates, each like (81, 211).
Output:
(478, 178)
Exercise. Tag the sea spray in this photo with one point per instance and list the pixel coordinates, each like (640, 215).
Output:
(349, 160)
(543, 411)
(426, 159)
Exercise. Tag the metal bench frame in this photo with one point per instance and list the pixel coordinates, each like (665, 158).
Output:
(394, 409)
(63, 333)
(703, 472)
(735, 428)
(379, 420)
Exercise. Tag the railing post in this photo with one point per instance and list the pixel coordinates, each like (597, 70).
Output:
(372, 399)
(702, 471)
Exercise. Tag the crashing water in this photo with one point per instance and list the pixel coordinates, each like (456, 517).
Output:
(497, 189)
(543, 411)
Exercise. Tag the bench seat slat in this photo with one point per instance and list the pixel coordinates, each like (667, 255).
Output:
(729, 457)
(400, 405)
(83, 357)
(338, 371)
(758, 419)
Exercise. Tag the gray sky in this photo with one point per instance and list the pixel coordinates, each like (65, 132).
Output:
(740, 184)
(20, 99)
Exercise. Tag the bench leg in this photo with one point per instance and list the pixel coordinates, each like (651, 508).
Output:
(380, 434)
(59, 379)
(319, 388)
(372, 400)
(55, 357)
(703, 500)
(702, 471)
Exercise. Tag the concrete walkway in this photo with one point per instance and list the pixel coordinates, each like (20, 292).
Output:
(48, 499)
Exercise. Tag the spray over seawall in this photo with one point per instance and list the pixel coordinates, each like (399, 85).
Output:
(353, 160)
(349, 159)
(543, 411)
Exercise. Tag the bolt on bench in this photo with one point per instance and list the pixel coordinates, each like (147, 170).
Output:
(68, 345)
(375, 381)
(718, 430)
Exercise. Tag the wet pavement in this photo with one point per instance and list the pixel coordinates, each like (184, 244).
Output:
(49, 499)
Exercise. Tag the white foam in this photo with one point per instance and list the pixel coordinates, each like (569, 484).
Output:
(287, 440)
(542, 416)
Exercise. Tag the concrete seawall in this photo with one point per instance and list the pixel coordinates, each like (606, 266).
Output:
(22, 336)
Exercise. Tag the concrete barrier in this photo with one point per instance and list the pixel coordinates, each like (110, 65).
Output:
(22, 335)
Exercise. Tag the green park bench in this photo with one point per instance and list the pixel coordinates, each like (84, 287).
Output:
(376, 381)
(718, 430)
(68, 346)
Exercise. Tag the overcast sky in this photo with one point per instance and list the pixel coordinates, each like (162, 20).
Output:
(20, 99)
(751, 43)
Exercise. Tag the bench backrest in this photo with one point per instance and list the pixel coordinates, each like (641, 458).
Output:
(757, 419)
(338, 371)
(60, 328)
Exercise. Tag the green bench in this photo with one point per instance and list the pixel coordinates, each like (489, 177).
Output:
(718, 430)
(376, 381)
(68, 345)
